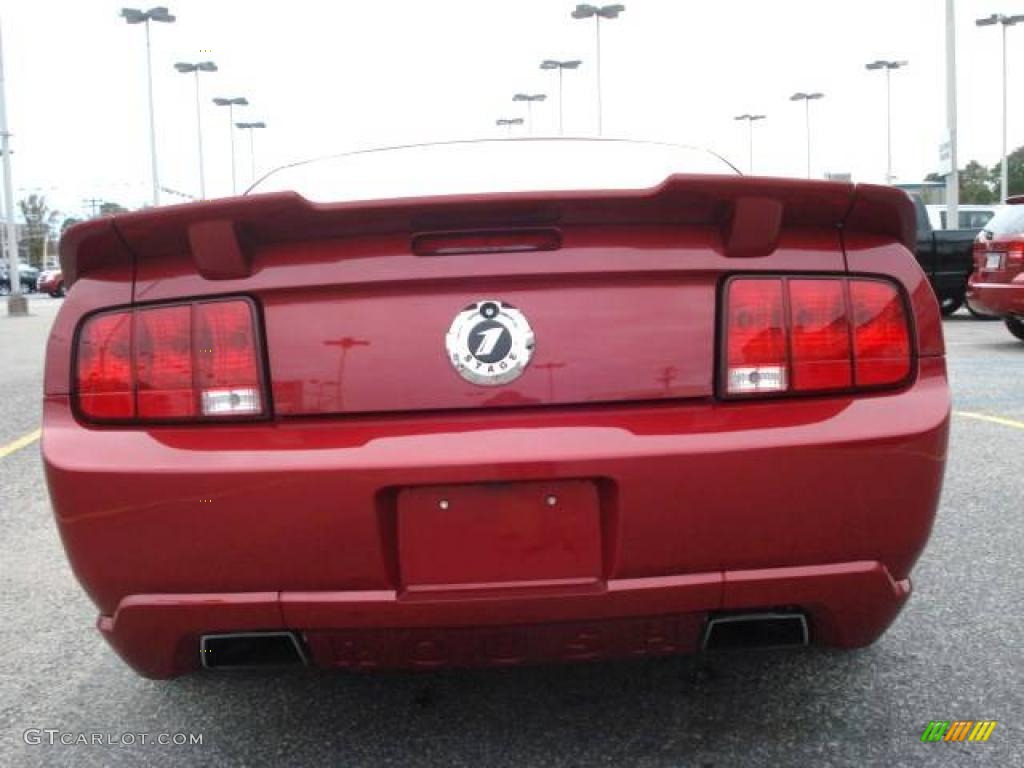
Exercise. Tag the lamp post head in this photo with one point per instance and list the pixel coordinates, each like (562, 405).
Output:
(199, 66)
(160, 13)
(999, 18)
(585, 11)
(238, 101)
(554, 64)
(529, 97)
(509, 121)
(135, 16)
(251, 125)
(883, 64)
(801, 96)
(749, 117)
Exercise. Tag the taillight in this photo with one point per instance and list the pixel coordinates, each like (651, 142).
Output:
(1015, 255)
(812, 334)
(180, 362)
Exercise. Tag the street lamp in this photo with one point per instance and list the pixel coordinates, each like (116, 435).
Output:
(750, 126)
(585, 11)
(185, 68)
(135, 16)
(508, 122)
(560, 66)
(529, 99)
(807, 98)
(252, 148)
(238, 101)
(888, 66)
(1004, 22)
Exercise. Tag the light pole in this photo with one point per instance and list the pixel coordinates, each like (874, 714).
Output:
(252, 147)
(560, 66)
(201, 66)
(1004, 22)
(16, 303)
(807, 98)
(751, 119)
(237, 101)
(508, 122)
(135, 16)
(529, 99)
(585, 11)
(888, 66)
(953, 177)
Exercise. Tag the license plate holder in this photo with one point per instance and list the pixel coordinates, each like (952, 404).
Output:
(493, 534)
(993, 261)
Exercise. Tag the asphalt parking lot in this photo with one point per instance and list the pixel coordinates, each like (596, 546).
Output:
(954, 654)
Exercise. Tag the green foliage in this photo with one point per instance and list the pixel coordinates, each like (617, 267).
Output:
(39, 224)
(109, 209)
(980, 185)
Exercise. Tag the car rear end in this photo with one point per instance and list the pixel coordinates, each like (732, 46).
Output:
(997, 283)
(731, 426)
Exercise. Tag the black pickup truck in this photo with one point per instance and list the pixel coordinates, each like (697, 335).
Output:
(947, 257)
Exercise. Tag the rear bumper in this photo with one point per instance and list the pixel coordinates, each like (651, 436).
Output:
(703, 506)
(997, 298)
(847, 604)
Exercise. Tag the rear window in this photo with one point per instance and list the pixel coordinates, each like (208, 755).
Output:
(1009, 221)
(488, 166)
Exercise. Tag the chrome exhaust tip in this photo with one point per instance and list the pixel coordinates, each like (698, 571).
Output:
(765, 629)
(248, 650)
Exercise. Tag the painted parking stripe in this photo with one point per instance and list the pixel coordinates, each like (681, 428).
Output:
(21, 442)
(993, 419)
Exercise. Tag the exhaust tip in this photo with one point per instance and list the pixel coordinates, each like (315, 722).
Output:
(246, 650)
(767, 629)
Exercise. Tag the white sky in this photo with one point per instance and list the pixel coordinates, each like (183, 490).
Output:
(333, 75)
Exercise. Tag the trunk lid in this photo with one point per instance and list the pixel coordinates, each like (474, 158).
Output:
(620, 291)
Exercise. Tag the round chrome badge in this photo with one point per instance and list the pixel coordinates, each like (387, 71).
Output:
(490, 343)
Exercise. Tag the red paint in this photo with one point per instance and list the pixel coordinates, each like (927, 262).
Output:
(323, 518)
(1000, 290)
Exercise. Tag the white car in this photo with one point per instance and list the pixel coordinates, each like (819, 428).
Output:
(971, 216)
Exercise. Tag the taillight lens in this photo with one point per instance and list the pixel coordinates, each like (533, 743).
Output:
(104, 380)
(757, 337)
(172, 363)
(1015, 255)
(881, 339)
(813, 335)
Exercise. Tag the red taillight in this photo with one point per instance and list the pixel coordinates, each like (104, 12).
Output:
(104, 377)
(1015, 255)
(173, 363)
(881, 340)
(756, 336)
(813, 335)
(820, 335)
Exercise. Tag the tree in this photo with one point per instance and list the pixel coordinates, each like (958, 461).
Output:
(976, 184)
(70, 221)
(39, 224)
(109, 209)
(1016, 175)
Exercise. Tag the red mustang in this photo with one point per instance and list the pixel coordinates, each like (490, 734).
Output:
(997, 284)
(493, 421)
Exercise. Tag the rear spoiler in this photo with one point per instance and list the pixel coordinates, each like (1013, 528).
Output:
(221, 235)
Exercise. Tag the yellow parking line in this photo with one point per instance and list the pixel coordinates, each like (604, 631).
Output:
(993, 419)
(21, 442)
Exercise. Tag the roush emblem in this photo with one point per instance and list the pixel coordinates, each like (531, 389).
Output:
(490, 343)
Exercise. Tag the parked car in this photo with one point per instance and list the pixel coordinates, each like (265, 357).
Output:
(970, 216)
(947, 257)
(51, 281)
(27, 273)
(997, 284)
(435, 410)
